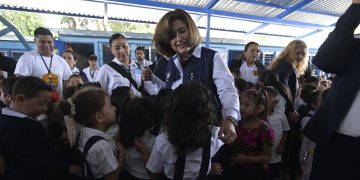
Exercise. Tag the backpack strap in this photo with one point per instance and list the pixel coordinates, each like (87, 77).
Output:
(205, 160)
(179, 166)
(180, 163)
(89, 143)
(123, 72)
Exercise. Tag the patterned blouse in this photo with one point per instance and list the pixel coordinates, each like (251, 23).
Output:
(253, 141)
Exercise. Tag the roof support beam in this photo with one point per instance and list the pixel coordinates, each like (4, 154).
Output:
(211, 4)
(266, 19)
(207, 42)
(234, 15)
(263, 4)
(309, 34)
(5, 31)
(286, 7)
(257, 28)
(294, 8)
(282, 15)
(208, 23)
(16, 32)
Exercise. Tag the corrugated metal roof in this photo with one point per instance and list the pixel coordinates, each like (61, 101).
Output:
(337, 7)
(288, 3)
(195, 3)
(288, 18)
(230, 24)
(285, 30)
(247, 8)
(311, 18)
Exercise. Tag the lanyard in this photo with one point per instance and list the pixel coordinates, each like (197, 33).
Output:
(48, 68)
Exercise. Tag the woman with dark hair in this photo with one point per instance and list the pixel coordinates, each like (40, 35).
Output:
(184, 150)
(248, 67)
(176, 36)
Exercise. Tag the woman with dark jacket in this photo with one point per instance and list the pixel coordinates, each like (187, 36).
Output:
(290, 64)
(248, 67)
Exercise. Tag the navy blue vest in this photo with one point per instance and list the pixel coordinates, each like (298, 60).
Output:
(198, 69)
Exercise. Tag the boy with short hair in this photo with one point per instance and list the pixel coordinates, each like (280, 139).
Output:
(24, 144)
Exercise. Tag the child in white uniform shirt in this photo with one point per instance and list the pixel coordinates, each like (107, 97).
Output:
(189, 135)
(137, 133)
(92, 70)
(280, 125)
(96, 115)
(307, 146)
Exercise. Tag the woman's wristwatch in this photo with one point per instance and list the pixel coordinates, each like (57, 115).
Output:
(233, 120)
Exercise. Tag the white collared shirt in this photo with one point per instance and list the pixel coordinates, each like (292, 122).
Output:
(279, 124)
(102, 156)
(134, 161)
(351, 124)
(163, 156)
(223, 80)
(110, 79)
(75, 70)
(90, 72)
(249, 73)
(145, 62)
(9, 112)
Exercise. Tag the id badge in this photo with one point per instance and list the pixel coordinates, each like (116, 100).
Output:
(51, 79)
(255, 73)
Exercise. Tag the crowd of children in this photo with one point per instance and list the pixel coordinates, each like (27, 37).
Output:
(107, 126)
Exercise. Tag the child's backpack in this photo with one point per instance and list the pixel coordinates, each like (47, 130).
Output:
(82, 156)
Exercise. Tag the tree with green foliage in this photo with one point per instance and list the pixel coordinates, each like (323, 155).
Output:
(131, 27)
(25, 22)
(74, 22)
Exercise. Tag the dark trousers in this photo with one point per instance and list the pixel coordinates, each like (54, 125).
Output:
(340, 159)
(274, 171)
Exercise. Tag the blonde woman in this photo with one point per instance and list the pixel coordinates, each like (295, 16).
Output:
(291, 63)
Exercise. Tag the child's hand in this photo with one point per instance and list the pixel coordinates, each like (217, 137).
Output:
(216, 169)
(238, 159)
(75, 170)
(280, 149)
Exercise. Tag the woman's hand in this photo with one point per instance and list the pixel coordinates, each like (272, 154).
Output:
(216, 169)
(227, 132)
(146, 74)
